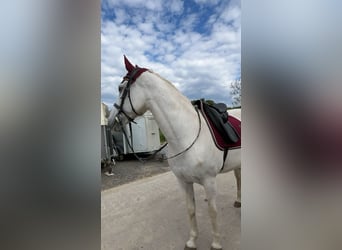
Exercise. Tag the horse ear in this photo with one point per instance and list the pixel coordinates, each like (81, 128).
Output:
(128, 64)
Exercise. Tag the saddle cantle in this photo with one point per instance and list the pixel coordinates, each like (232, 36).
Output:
(225, 129)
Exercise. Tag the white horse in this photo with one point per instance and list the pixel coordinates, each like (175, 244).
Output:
(194, 156)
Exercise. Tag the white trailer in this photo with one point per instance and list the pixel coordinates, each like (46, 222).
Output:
(142, 136)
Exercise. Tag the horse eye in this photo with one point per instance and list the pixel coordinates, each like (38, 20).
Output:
(120, 88)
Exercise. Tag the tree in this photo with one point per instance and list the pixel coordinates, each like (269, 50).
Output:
(236, 92)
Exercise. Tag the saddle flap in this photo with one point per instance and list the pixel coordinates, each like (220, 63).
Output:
(218, 117)
(220, 121)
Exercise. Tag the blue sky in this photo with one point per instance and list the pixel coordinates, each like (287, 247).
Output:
(195, 44)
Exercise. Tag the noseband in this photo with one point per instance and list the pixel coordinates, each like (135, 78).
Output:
(131, 77)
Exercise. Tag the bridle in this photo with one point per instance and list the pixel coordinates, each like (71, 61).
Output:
(126, 92)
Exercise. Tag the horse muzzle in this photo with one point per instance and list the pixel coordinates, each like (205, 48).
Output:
(113, 117)
(118, 122)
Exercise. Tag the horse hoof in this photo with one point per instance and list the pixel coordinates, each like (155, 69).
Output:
(237, 204)
(215, 248)
(189, 248)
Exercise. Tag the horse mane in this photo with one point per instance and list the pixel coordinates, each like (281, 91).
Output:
(180, 94)
(167, 81)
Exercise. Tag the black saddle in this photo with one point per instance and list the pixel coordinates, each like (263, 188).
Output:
(218, 115)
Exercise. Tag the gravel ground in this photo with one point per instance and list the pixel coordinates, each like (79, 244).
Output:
(130, 170)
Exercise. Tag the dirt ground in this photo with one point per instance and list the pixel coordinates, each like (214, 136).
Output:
(150, 213)
(130, 170)
(142, 207)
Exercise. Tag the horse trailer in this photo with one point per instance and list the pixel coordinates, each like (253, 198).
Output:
(139, 137)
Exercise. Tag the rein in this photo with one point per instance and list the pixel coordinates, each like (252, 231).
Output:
(143, 160)
(198, 133)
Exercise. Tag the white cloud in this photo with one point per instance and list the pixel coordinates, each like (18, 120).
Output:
(200, 65)
(207, 2)
(189, 22)
(120, 16)
(146, 28)
(176, 6)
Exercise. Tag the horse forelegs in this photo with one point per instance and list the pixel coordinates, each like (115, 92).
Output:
(191, 207)
(237, 173)
(210, 189)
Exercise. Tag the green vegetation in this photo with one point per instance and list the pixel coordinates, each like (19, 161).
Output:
(210, 102)
(161, 137)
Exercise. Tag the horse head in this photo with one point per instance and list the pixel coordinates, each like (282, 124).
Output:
(130, 102)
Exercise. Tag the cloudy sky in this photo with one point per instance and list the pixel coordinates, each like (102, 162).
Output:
(195, 44)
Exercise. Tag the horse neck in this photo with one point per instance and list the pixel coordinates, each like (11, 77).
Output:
(173, 112)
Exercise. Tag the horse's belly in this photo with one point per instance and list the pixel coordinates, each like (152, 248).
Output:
(205, 164)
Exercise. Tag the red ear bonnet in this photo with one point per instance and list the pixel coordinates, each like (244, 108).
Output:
(129, 66)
